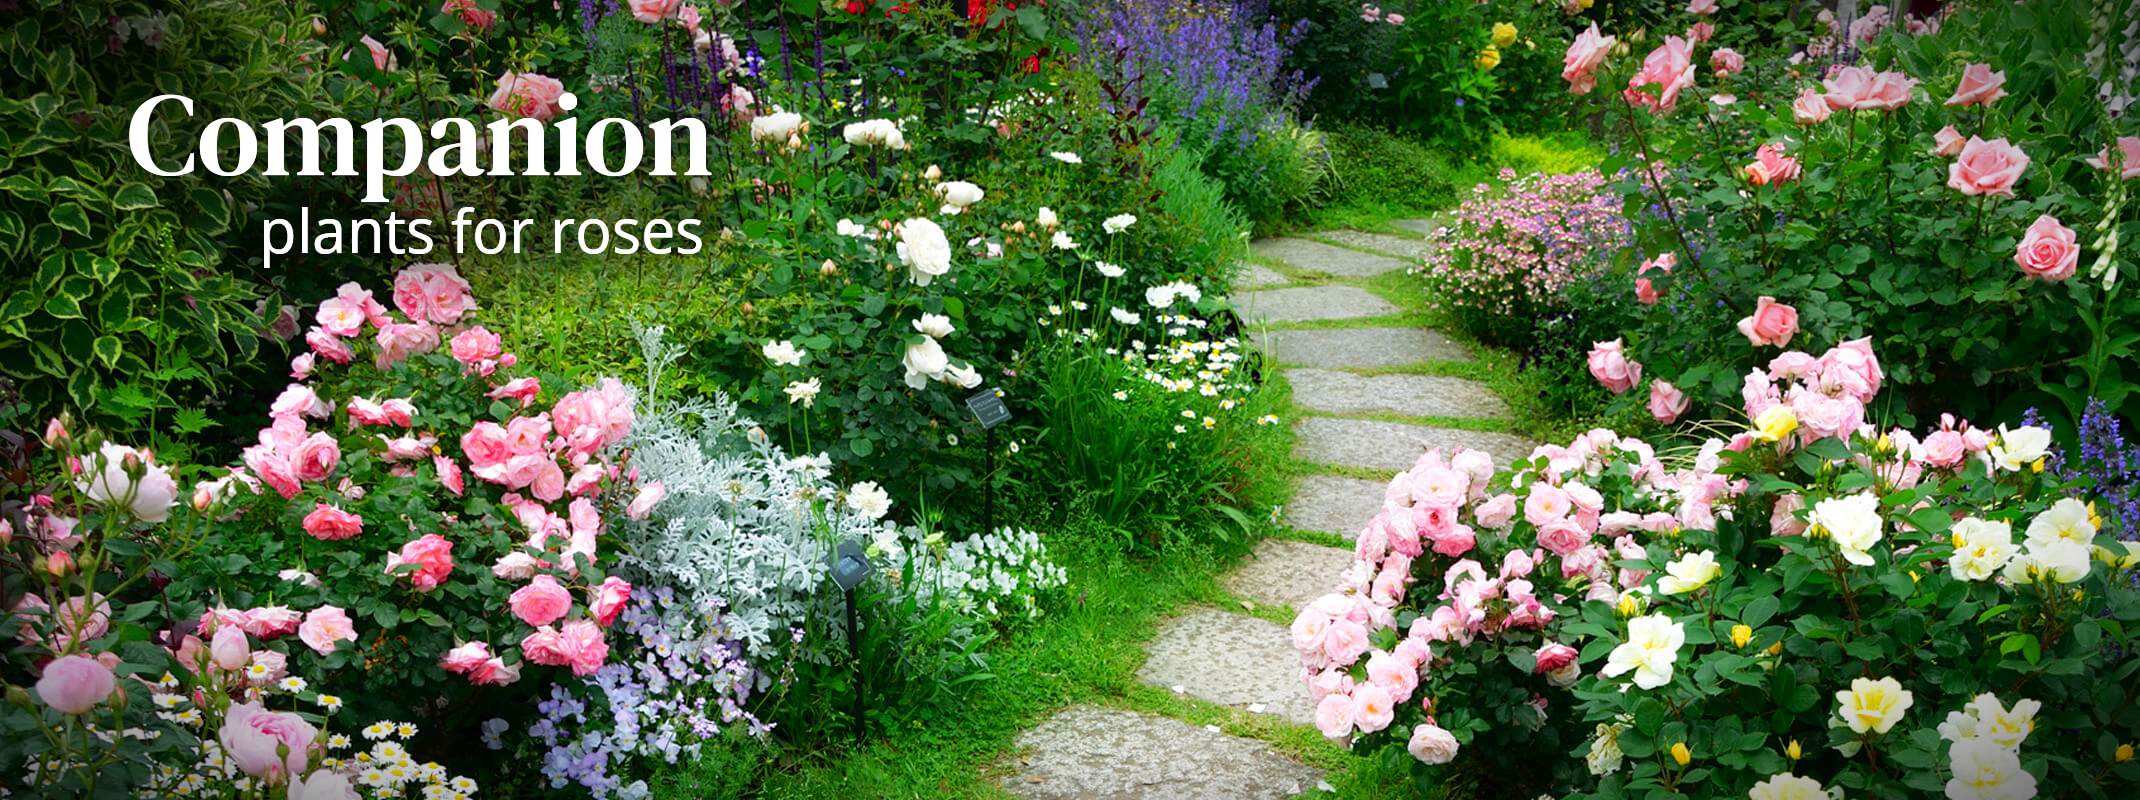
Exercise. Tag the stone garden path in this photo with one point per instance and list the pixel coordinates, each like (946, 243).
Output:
(1370, 393)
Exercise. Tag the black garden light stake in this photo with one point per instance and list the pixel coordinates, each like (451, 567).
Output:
(988, 409)
(850, 566)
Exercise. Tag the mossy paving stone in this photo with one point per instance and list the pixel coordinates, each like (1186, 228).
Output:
(1374, 444)
(1334, 392)
(1094, 753)
(1288, 572)
(1307, 303)
(1361, 348)
(1229, 659)
(1327, 258)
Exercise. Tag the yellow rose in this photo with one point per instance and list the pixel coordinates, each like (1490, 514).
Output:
(1875, 706)
(1504, 34)
(1775, 423)
(1489, 58)
(1681, 754)
(2125, 753)
(1740, 635)
(1794, 751)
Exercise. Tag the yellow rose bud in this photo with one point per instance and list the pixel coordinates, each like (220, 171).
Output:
(1776, 649)
(1489, 58)
(1681, 754)
(2038, 466)
(1740, 635)
(1793, 751)
(2094, 520)
(1504, 34)
(2125, 753)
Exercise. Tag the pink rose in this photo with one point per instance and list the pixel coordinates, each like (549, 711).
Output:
(2128, 152)
(1562, 536)
(1821, 416)
(650, 494)
(1585, 55)
(341, 316)
(1727, 62)
(487, 448)
(315, 458)
(1947, 142)
(397, 341)
(1373, 708)
(1987, 168)
(431, 554)
(470, 14)
(1772, 166)
(1783, 520)
(78, 619)
(399, 411)
(1851, 368)
(269, 622)
(1432, 745)
(465, 658)
(1334, 715)
(328, 524)
(1860, 88)
(1701, 8)
(1610, 365)
(382, 58)
(583, 647)
(608, 599)
(1670, 66)
(433, 293)
(229, 648)
(299, 400)
(1667, 402)
(74, 684)
(301, 365)
(1496, 512)
(494, 672)
(1700, 32)
(522, 389)
(1811, 108)
(1772, 323)
(1644, 292)
(1553, 656)
(653, 11)
(2048, 250)
(329, 346)
(325, 784)
(1457, 541)
(1980, 86)
(527, 95)
(515, 566)
(1945, 448)
(324, 626)
(541, 602)
(475, 345)
(252, 735)
(1794, 364)
(449, 474)
(273, 666)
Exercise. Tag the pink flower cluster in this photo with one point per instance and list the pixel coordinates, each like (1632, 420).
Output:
(1827, 394)
(1525, 242)
(1442, 524)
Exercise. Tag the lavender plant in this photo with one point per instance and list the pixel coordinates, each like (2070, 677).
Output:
(1214, 72)
(2103, 456)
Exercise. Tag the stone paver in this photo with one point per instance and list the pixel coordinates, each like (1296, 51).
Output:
(1423, 227)
(1286, 572)
(1310, 303)
(1326, 258)
(1361, 347)
(1334, 392)
(1330, 504)
(1231, 660)
(1258, 275)
(1094, 753)
(1405, 247)
(1393, 446)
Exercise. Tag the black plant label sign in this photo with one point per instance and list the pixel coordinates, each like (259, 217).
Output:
(988, 408)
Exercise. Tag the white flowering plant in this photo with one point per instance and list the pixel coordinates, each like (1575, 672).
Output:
(1784, 613)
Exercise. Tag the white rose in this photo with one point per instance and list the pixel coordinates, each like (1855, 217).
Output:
(2065, 519)
(1046, 217)
(1853, 522)
(2061, 560)
(776, 127)
(924, 360)
(848, 227)
(924, 249)
(965, 377)
(106, 481)
(1981, 548)
(934, 325)
(959, 193)
(2016, 449)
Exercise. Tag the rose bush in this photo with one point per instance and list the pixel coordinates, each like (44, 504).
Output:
(1940, 171)
(1812, 604)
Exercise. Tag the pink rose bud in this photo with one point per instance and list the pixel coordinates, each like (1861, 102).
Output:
(1811, 108)
(1610, 365)
(228, 649)
(55, 433)
(60, 563)
(74, 684)
(1667, 402)
(1947, 142)
(1980, 87)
